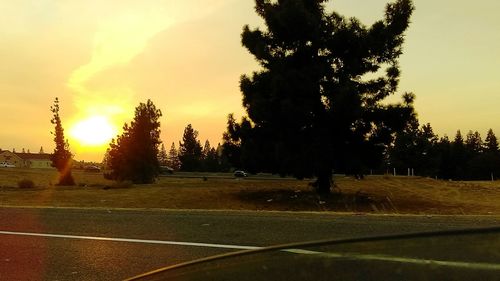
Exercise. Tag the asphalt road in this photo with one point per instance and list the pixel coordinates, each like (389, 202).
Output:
(70, 244)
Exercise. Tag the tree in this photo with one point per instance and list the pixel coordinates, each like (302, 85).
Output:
(429, 157)
(486, 164)
(491, 142)
(163, 156)
(173, 158)
(134, 154)
(403, 152)
(231, 145)
(41, 150)
(473, 151)
(106, 160)
(61, 158)
(415, 148)
(310, 107)
(211, 161)
(459, 156)
(190, 151)
(473, 143)
(492, 155)
(206, 149)
(445, 156)
(222, 160)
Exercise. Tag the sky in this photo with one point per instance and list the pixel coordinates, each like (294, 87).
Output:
(102, 58)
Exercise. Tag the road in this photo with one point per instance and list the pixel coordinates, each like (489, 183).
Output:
(90, 244)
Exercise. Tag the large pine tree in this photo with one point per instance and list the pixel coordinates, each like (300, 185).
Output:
(311, 107)
(134, 154)
(190, 150)
(491, 143)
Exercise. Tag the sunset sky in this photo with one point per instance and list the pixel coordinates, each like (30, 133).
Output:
(101, 58)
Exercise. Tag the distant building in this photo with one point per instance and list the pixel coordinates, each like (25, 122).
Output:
(27, 160)
(11, 158)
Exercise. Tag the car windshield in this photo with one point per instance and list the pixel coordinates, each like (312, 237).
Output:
(137, 135)
(455, 255)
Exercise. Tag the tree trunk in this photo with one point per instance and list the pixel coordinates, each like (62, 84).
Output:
(323, 183)
(66, 178)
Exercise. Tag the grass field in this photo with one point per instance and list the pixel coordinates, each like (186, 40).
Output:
(376, 194)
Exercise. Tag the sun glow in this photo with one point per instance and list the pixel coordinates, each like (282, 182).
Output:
(93, 131)
(100, 99)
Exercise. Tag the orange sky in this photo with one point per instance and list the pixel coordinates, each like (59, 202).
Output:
(102, 59)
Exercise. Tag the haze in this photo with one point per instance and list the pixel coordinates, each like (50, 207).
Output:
(102, 59)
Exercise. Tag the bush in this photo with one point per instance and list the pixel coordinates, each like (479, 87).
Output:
(26, 184)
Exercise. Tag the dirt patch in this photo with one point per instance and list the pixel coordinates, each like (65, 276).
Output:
(298, 200)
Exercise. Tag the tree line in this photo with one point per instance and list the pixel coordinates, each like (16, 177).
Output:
(419, 149)
(138, 154)
(192, 156)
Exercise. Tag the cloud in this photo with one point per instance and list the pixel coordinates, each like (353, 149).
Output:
(116, 43)
(118, 40)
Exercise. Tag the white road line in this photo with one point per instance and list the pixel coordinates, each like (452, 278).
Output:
(131, 240)
(352, 256)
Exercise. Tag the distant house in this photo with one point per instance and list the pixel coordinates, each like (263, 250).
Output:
(26, 160)
(11, 158)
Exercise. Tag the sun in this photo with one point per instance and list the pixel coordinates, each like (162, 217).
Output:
(93, 131)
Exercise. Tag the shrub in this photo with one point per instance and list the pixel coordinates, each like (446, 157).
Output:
(26, 184)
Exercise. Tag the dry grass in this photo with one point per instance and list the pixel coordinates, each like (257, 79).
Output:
(374, 194)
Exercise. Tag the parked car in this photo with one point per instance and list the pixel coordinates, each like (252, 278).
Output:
(240, 174)
(92, 169)
(166, 170)
(6, 165)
